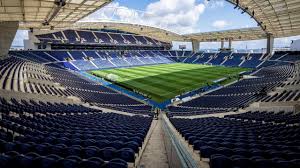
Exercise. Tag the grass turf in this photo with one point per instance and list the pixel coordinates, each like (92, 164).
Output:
(165, 81)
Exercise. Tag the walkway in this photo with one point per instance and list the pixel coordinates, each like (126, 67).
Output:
(155, 155)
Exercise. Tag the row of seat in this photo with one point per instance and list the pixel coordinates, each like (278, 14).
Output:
(245, 91)
(98, 37)
(88, 60)
(291, 95)
(37, 79)
(235, 138)
(221, 161)
(114, 139)
(61, 150)
(31, 159)
(268, 116)
(184, 111)
(43, 107)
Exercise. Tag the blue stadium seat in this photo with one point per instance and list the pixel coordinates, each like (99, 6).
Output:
(67, 163)
(126, 154)
(220, 161)
(107, 153)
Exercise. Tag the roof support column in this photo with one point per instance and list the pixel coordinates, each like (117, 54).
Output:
(270, 43)
(8, 31)
(230, 43)
(222, 44)
(195, 45)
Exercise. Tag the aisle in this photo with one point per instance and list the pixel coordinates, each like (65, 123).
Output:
(155, 155)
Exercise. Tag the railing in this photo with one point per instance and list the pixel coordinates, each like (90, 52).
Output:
(178, 155)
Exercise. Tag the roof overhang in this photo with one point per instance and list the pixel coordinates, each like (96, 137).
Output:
(244, 34)
(33, 13)
(156, 33)
(281, 18)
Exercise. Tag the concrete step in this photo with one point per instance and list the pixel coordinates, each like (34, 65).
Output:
(155, 154)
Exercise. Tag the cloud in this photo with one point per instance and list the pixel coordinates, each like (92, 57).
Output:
(220, 24)
(113, 11)
(214, 4)
(175, 15)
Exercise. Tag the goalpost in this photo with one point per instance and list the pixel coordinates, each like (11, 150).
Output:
(208, 64)
(112, 77)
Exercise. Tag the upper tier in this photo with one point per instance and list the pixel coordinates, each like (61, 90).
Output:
(99, 38)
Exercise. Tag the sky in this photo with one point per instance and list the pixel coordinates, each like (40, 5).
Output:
(180, 16)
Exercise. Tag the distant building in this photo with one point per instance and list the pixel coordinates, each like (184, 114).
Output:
(295, 46)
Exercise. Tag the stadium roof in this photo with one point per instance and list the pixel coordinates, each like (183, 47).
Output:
(33, 13)
(281, 18)
(168, 36)
(157, 33)
(254, 33)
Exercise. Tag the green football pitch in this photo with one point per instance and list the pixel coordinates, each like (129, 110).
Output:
(165, 81)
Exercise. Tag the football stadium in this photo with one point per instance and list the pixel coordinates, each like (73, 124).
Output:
(149, 84)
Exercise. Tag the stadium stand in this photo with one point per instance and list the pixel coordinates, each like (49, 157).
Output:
(24, 76)
(251, 138)
(234, 59)
(291, 95)
(85, 94)
(189, 111)
(58, 140)
(218, 58)
(92, 59)
(89, 60)
(42, 126)
(72, 125)
(98, 38)
(39, 131)
(241, 93)
(52, 116)
(267, 116)
(231, 142)
(291, 56)
(204, 58)
(251, 61)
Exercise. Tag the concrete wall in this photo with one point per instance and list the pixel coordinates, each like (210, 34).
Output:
(8, 31)
(32, 42)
